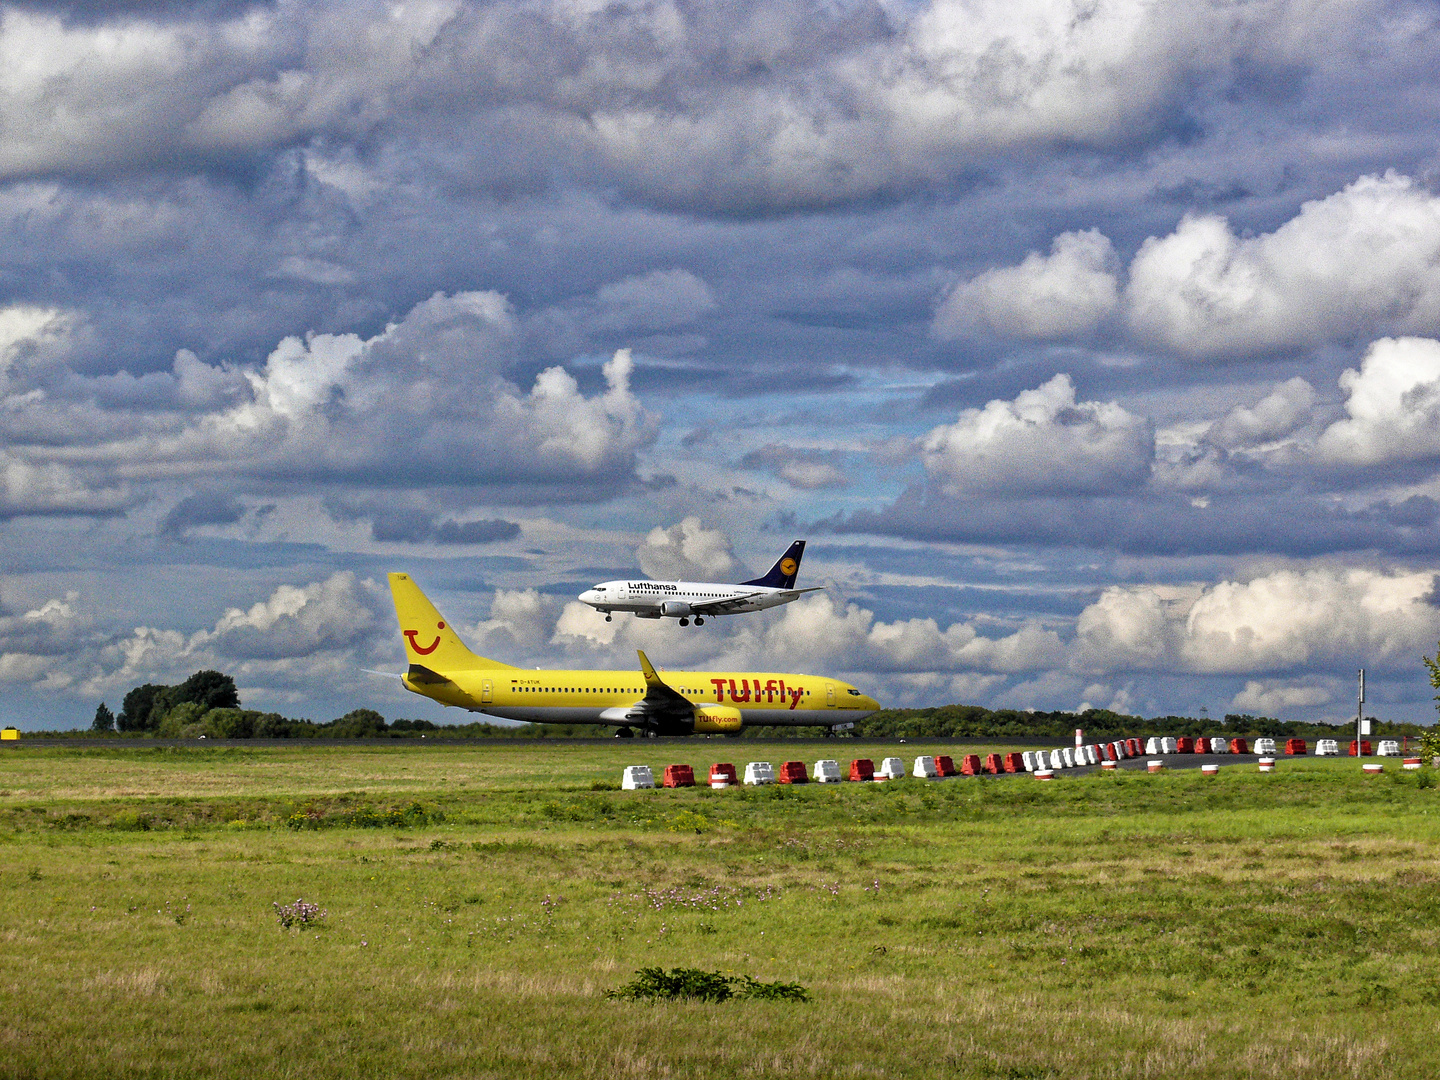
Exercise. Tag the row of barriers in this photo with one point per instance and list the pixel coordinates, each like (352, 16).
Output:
(1043, 763)
(828, 771)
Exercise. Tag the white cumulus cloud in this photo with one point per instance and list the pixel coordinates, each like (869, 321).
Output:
(1043, 442)
(1061, 295)
(1365, 260)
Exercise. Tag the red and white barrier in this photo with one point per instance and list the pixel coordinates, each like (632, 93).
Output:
(1209, 770)
(722, 775)
(1155, 766)
(1267, 764)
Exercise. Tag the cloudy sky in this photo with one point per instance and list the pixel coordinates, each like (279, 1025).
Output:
(1094, 346)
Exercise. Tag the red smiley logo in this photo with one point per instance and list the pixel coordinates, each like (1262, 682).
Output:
(424, 650)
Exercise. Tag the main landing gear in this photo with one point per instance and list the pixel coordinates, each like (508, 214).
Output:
(624, 733)
(698, 621)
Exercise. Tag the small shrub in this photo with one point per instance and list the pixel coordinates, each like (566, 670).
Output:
(657, 984)
(301, 913)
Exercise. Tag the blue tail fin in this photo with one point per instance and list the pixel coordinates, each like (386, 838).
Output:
(782, 574)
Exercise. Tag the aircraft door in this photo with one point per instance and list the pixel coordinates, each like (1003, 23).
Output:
(485, 688)
(830, 696)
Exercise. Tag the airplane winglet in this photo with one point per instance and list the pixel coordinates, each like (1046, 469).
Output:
(648, 669)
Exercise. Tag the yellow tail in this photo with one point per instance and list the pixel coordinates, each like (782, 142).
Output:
(429, 640)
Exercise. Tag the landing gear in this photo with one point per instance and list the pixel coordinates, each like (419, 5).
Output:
(624, 733)
(699, 621)
(684, 622)
(607, 618)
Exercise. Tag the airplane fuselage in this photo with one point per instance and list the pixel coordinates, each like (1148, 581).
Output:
(719, 701)
(682, 599)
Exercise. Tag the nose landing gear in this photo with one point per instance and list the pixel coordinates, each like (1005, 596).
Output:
(607, 618)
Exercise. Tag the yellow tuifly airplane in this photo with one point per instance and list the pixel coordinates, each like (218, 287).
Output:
(678, 703)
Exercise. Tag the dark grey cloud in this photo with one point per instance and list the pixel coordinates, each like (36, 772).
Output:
(206, 508)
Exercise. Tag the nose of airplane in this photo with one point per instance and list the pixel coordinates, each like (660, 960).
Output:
(588, 596)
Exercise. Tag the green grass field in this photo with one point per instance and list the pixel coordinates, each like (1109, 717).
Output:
(1101, 926)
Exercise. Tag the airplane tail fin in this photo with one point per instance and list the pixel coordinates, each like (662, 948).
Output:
(430, 642)
(782, 574)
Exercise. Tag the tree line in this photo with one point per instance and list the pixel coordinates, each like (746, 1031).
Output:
(208, 704)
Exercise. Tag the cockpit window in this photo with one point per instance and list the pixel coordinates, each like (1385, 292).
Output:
(853, 693)
(599, 588)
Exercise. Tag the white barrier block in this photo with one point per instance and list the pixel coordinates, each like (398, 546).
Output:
(1327, 748)
(1168, 746)
(1152, 745)
(636, 777)
(925, 768)
(1028, 757)
(826, 772)
(759, 772)
(1092, 754)
(1067, 756)
(892, 768)
(1388, 748)
(1219, 746)
(1264, 746)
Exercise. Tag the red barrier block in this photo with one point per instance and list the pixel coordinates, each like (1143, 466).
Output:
(1239, 746)
(1295, 746)
(993, 765)
(945, 766)
(724, 772)
(679, 776)
(1108, 749)
(1362, 750)
(862, 769)
(1137, 747)
(1015, 762)
(970, 765)
(1184, 745)
(793, 772)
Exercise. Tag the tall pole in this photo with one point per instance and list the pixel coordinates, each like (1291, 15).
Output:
(1360, 716)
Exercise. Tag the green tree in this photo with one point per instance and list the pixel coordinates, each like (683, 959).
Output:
(104, 722)
(212, 689)
(138, 712)
(358, 724)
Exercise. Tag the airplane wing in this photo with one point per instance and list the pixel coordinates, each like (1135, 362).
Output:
(660, 698)
(731, 604)
(721, 607)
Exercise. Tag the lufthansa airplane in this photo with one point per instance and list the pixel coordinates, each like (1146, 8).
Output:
(675, 703)
(685, 600)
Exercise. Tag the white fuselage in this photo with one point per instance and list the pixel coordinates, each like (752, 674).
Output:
(683, 599)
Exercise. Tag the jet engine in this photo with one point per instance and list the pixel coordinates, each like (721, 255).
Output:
(675, 609)
(717, 720)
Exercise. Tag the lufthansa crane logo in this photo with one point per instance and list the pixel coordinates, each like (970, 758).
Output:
(424, 650)
(788, 567)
